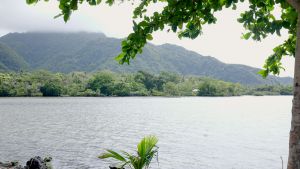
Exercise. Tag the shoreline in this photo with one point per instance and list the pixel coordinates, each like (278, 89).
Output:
(139, 96)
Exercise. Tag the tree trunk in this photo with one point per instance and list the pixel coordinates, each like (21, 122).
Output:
(294, 143)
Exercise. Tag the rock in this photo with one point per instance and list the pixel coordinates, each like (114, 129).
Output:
(34, 163)
(39, 163)
(10, 165)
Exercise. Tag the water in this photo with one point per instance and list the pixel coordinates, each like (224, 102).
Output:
(196, 133)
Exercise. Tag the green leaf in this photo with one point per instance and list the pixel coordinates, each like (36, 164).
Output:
(149, 37)
(66, 16)
(120, 57)
(31, 1)
(246, 36)
(74, 4)
(143, 24)
(59, 15)
(234, 7)
(263, 73)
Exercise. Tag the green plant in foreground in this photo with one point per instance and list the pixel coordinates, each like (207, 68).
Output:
(146, 150)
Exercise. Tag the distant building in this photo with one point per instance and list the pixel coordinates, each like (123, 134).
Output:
(195, 90)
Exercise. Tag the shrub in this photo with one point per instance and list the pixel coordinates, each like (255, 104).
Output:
(51, 89)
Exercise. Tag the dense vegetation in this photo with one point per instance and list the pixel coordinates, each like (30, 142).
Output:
(89, 52)
(106, 83)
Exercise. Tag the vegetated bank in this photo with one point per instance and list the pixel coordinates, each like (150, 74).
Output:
(107, 83)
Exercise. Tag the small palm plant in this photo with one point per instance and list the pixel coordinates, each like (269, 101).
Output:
(146, 150)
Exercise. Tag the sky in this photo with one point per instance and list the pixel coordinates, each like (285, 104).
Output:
(222, 40)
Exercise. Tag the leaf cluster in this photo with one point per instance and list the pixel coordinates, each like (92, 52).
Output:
(146, 150)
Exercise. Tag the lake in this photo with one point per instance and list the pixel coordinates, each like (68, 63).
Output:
(194, 132)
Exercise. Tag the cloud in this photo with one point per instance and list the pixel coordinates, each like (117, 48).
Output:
(16, 15)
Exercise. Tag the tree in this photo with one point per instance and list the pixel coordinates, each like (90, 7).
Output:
(208, 89)
(187, 18)
(170, 89)
(51, 89)
(5, 85)
(102, 81)
(122, 89)
(146, 78)
(218, 88)
(146, 151)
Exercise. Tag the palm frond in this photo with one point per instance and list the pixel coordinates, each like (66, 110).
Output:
(146, 145)
(146, 150)
(112, 154)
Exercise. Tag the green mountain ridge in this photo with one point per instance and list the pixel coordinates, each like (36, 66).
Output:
(10, 60)
(67, 52)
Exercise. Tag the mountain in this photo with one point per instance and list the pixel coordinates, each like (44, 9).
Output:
(66, 52)
(10, 60)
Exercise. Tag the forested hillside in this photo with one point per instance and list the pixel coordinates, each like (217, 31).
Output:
(10, 60)
(67, 52)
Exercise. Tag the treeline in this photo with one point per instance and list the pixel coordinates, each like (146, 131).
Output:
(106, 83)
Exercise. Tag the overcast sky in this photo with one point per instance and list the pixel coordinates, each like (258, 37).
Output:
(221, 40)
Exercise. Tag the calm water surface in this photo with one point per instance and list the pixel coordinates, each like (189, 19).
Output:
(196, 133)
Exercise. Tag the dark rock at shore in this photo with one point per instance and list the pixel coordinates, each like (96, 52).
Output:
(34, 163)
(10, 165)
